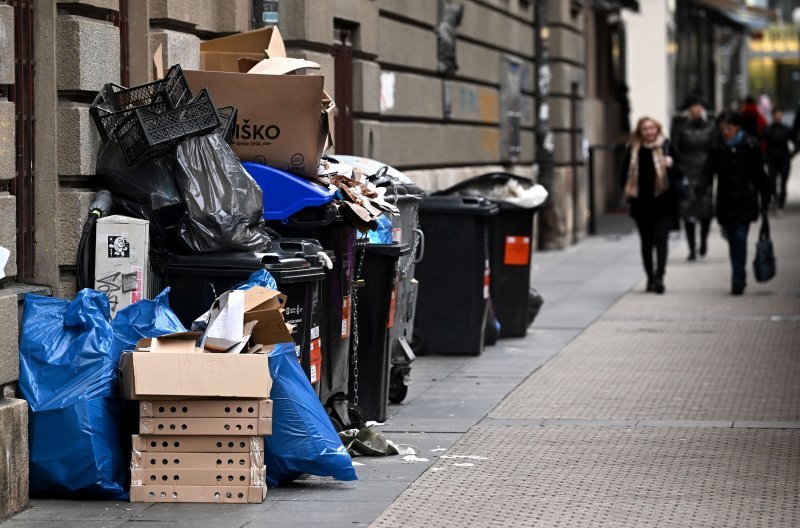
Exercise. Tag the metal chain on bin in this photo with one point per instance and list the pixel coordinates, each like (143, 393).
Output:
(361, 244)
(384, 172)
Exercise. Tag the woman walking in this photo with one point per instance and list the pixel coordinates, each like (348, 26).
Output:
(647, 171)
(693, 136)
(742, 189)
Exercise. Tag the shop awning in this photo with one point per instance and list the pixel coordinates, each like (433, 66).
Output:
(753, 18)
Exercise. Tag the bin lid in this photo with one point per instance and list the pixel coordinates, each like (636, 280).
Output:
(305, 248)
(393, 250)
(285, 266)
(319, 216)
(285, 193)
(508, 190)
(459, 205)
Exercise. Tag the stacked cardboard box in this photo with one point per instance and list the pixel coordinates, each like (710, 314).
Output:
(204, 411)
(200, 451)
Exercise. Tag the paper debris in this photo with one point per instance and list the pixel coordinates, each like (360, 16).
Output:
(409, 459)
(464, 464)
(467, 457)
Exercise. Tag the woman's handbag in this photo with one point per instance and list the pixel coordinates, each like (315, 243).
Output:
(764, 263)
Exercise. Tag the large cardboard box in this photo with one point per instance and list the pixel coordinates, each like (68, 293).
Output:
(285, 121)
(221, 494)
(198, 444)
(174, 375)
(122, 260)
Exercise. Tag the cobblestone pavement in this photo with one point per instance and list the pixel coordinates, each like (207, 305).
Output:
(673, 410)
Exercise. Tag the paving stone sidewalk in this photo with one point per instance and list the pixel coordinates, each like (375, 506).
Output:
(673, 410)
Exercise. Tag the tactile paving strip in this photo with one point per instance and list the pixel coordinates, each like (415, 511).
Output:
(722, 370)
(601, 476)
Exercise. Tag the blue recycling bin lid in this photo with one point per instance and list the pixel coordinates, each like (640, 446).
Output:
(285, 193)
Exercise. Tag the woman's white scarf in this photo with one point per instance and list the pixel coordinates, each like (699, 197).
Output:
(662, 182)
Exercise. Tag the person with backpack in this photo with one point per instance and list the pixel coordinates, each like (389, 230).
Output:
(742, 189)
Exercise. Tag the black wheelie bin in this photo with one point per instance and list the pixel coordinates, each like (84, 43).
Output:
(454, 278)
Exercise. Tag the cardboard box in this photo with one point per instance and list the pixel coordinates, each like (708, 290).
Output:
(198, 444)
(178, 375)
(176, 342)
(255, 314)
(143, 459)
(206, 426)
(198, 477)
(122, 260)
(283, 120)
(206, 408)
(220, 494)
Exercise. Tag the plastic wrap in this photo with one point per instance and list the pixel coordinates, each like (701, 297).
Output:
(303, 439)
(225, 206)
(383, 234)
(68, 365)
(261, 278)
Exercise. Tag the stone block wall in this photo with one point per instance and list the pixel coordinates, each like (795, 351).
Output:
(441, 131)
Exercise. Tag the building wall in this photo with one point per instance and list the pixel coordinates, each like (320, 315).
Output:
(396, 57)
(648, 73)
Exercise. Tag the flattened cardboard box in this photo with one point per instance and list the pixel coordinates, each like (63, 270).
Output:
(205, 408)
(198, 444)
(221, 494)
(198, 477)
(176, 375)
(214, 461)
(206, 426)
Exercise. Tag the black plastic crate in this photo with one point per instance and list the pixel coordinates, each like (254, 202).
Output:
(115, 103)
(147, 134)
(227, 122)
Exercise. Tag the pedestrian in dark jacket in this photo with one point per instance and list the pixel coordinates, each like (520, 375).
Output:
(647, 175)
(693, 135)
(779, 155)
(742, 189)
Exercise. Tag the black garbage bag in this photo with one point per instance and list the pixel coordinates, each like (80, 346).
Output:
(224, 205)
(145, 190)
(535, 302)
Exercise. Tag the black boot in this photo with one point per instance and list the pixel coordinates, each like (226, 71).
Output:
(651, 284)
(658, 285)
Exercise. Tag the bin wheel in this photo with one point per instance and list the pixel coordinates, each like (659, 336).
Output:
(398, 390)
(337, 425)
(356, 415)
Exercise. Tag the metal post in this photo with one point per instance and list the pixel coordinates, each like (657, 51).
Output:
(592, 208)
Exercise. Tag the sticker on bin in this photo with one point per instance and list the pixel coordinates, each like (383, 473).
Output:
(136, 294)
(315, 332)
(315, 363)
(392, 307)
(487, 280)
(345, 317)
(397, 235)
(518, 251)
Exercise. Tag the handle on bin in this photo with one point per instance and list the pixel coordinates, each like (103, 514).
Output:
(421, 248)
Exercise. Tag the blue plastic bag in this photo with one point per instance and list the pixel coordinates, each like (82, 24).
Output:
(261, 278)
(383, 234)
(144, 319)
(68, 365)
(303, 439)
(69, 351)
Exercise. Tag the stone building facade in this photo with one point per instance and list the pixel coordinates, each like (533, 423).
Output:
(380, 62)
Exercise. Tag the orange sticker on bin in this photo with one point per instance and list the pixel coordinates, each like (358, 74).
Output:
(518, 251)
